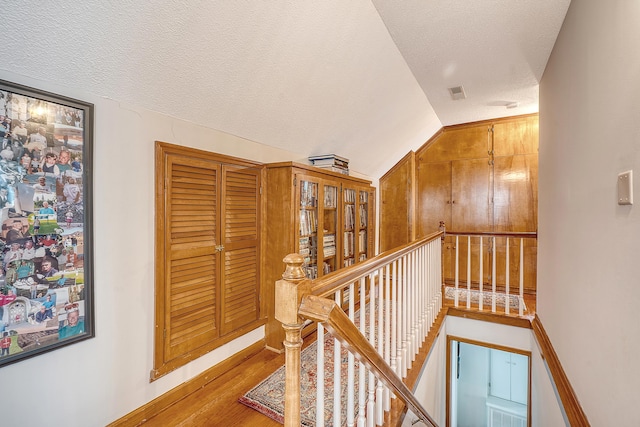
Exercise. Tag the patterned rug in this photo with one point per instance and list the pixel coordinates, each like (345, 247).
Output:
(450, 293)
(268, 396)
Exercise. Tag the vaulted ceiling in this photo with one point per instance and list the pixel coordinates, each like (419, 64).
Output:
(365, 79)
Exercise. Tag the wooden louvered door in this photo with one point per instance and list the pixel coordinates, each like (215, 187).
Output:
(192, 274)
(240, 272)
(207, 253)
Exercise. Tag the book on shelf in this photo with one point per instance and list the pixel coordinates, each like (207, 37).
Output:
(304, 252)
(363, 216)
(308, 194)
(326, 268)
(362, 240)
(349, 196)
(311, 271)
(329, 239)
(349, 217)
(329, 251)
(307, 249)
(308, 222)
(349, 244)
(330, 196)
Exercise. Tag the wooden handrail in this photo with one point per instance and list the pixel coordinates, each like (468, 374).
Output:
(327, 285)
(572, 409)
(332, 317)
(515, 234)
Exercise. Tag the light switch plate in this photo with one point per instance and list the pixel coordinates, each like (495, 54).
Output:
(625, 188)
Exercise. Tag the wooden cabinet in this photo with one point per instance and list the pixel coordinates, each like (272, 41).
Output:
(324, 216)
(481, 177)
(208, 228)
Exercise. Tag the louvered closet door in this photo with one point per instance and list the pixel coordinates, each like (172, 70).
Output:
(240, 273)
(191, 273)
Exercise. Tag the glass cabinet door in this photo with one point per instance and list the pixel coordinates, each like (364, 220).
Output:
(329, 228)
(308, 238)
(363, 224)
(349, 231)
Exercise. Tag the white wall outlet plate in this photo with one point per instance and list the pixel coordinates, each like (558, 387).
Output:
(625, 188)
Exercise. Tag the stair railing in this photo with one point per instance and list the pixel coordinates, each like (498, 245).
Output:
(475, 273)
(379, 311)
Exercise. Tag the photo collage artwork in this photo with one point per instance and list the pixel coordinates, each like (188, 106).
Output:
(42, 291)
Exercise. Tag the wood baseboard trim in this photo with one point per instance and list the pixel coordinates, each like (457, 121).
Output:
(159, 404)
(501, 318)
(572, 408)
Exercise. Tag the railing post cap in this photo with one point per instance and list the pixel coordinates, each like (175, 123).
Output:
(294, 269)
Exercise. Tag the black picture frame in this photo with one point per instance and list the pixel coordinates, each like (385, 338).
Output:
(46, 238)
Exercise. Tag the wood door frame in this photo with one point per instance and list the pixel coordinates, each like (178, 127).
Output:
(451, 339)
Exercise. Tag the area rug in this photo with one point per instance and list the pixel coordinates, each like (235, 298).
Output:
(268, 396)
(450, 293)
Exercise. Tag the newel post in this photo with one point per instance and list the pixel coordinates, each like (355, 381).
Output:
(289, 292)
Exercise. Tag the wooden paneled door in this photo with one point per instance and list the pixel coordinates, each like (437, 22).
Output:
(187, 303)
(434, 201)
(397, 209)
(470, 195)
(240, 273)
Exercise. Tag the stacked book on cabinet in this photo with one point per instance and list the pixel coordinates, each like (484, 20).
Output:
(331, 162)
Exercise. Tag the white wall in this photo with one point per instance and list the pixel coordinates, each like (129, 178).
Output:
(546, 408)
(99, 380)
(589, 247)
(487, 332)
(431, 387)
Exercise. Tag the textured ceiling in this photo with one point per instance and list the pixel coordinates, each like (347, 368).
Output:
(364, 80)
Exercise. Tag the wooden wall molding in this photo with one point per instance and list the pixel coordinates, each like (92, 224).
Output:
(572, 409)
(487, 316)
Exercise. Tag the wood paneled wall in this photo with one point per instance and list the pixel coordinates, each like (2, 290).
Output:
(397, 194)
(476, 177)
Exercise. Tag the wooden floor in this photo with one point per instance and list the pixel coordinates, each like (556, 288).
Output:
(216, 404)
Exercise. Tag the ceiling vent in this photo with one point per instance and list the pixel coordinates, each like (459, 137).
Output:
(457, 93)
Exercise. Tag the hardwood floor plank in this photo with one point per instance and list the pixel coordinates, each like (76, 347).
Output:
(216, 404)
